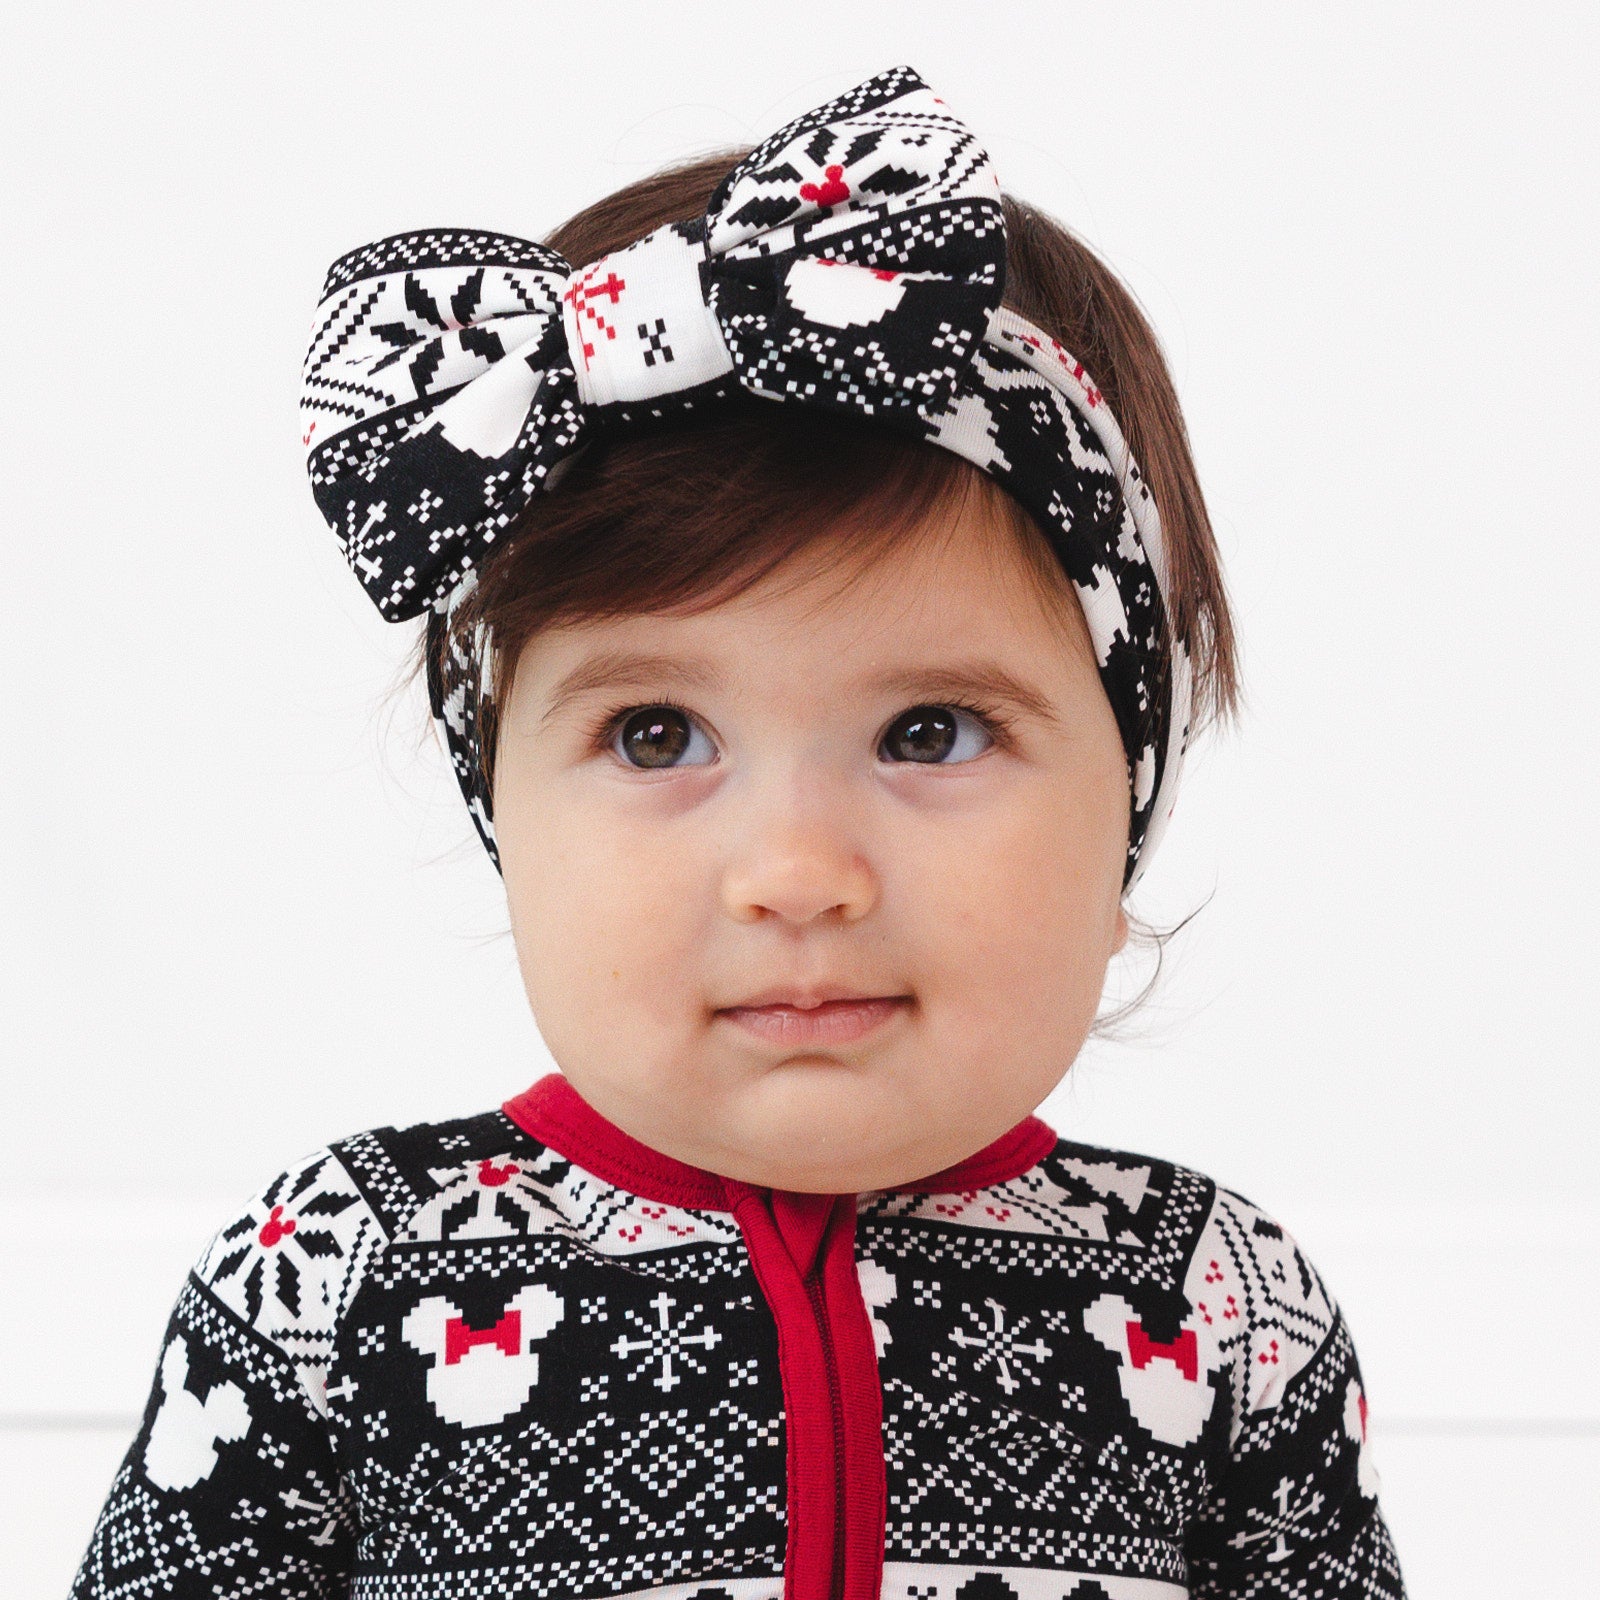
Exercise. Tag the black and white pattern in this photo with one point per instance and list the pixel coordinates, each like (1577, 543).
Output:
(1105, 1378)
(855, 263)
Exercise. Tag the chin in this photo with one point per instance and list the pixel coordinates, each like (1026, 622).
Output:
(864, 1154)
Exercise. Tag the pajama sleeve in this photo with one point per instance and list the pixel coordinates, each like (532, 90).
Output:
(230, 1487)
(1292, 1508)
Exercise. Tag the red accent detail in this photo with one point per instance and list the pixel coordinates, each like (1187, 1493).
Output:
(305, 438)
(1181, 1352)
(1022, 1146)
(506, 1335)
(558, 1116)
(274, 1229)
(491, 1176)
(1361, 1406)
(1092, 396)
(555, 1114)
(1269, 1357)
(829, 193)
(877, 272)
(581, 291)
(802, 1249)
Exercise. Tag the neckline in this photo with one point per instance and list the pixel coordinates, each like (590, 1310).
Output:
(555, 1114)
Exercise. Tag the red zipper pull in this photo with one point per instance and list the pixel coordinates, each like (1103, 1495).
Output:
(803, 1223)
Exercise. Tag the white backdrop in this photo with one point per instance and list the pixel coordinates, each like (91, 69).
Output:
(244, 909)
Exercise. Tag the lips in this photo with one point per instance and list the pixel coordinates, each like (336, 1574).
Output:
(825, 1019)
(805, 998)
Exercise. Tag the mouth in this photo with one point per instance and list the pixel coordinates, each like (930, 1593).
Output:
(834, 1021)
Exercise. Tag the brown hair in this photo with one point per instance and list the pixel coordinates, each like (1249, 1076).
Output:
(685, 517)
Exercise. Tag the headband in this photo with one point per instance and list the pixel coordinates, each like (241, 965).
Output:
(853, 262)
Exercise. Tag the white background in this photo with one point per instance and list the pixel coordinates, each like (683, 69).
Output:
(244, 909)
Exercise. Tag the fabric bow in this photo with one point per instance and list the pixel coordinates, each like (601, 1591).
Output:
(851, 262)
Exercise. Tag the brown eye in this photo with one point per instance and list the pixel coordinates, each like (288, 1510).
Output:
(657, 736)
(929, 734)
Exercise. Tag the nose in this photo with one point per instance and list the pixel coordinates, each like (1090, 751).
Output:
(798, 859)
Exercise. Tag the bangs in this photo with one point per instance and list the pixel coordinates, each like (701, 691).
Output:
(683, 519)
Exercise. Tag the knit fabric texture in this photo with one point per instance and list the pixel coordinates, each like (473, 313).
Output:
(523, 1355)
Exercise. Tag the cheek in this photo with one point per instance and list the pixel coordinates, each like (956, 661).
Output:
(603, 911)
(1024, 899)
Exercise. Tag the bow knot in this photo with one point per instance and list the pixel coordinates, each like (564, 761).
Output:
(637, 322)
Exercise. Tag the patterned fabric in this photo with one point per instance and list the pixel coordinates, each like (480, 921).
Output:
(454, 1359)
(854, 262)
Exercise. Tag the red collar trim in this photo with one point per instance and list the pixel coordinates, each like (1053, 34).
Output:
(555, 1114)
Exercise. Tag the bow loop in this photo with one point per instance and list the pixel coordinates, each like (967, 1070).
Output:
(436, 396)
(886, 146)
(876, 211)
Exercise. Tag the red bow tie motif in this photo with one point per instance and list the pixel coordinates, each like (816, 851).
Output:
(506, 1334)
(1181, 1352)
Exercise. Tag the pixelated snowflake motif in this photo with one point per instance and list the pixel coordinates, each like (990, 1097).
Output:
(1001, 1346)
(665, 1341)
(1296, 1504)
(495, 1197)
(281, 1248)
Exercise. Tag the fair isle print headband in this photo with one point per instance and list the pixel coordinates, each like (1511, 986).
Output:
(855, 263)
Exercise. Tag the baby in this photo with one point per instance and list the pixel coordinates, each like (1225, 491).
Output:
(817, 664)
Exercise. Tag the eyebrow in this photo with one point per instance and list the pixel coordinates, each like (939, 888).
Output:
(977, 679)
(612, 668)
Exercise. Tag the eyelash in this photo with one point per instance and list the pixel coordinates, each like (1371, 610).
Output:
(603, 730)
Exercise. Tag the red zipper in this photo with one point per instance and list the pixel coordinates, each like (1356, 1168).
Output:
(814, 1290)
(800, 1249)
(556, 1115)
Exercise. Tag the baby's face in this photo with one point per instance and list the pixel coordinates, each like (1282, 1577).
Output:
(811, 814)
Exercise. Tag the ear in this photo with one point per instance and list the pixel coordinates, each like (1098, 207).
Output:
(540, 1308)
(174, 1366)
(227, 1413)
(423, 1328)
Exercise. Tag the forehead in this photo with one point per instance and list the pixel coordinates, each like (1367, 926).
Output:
(845, 613)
